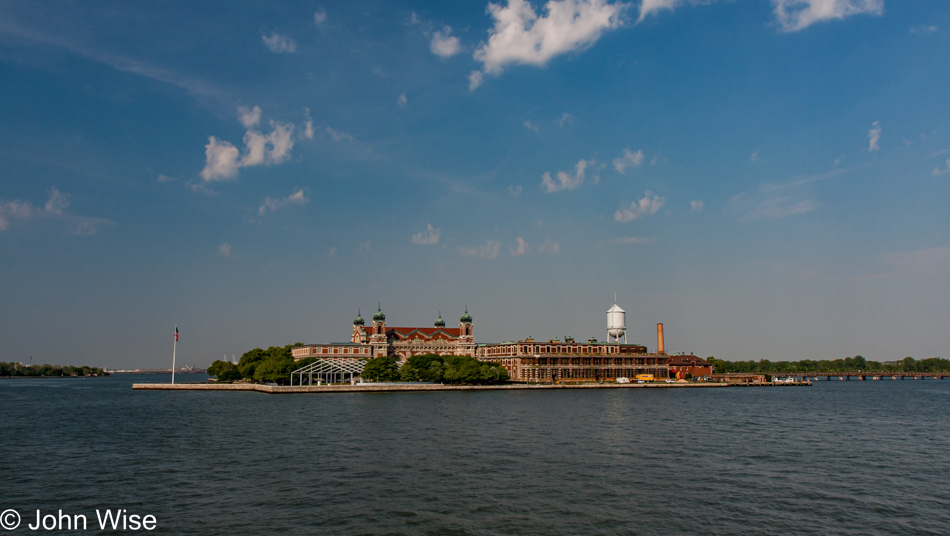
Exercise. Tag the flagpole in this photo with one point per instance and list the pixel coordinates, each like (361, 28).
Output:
(174, 348)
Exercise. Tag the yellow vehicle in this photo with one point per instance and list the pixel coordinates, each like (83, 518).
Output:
(645, 378)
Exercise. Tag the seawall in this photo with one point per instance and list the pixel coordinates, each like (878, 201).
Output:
(371, 388)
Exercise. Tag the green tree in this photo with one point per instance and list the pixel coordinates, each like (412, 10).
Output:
(381, 369)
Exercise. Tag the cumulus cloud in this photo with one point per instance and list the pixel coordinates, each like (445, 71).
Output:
(308, 125)
(645, 206)
(520, 249)
(697, 205)
(271, 204)
(444, 44)
(648, 7)
(520, 36)
(320, 17)
(224, 250)
(628, 240)
(278, 43)
(550, 246)
(628, 159)
(402, 100)
(565, 181)
(488, 251)
(874, 135)
(428, 237)
(57, 202)
(223, 160)
(794, 15)
(249, 116)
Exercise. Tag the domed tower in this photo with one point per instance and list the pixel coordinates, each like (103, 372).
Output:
(466, 338)
(439, 323)
(616, 324)
(378, 338)
(359, 330)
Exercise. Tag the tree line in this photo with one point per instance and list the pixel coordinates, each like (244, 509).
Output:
(848, 364)
(275, 365)
(48, 371)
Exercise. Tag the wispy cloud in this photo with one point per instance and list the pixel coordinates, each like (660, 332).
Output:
(628, 159)
(924, 29)
(565, 119)
(54, 208)
(402, 100)
(752, 207)
(530, 126)
(279, 43)
(308, 124)
(550, 246)
(794, 15)
(515, 191)
(271, 204)
(320, 17)
(338, 135)
(428, 237)
(565, 181)
(444, 44)
(697, 205)
(651, 7)
(488, 251)
(946, 169)
(223, 160)
(224, 250)
(629, 240)
(520, 249)
(645, 206)
(874, 136)
(520, 36)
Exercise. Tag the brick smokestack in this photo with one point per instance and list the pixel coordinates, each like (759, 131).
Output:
(660, 349)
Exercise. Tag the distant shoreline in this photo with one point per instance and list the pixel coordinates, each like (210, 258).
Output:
(382, 388)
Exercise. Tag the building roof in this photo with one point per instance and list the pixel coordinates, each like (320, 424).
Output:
(428, 333)
(687, 361)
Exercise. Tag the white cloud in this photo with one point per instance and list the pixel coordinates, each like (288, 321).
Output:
(530, 126)
(645, 206)
(648, 7)
(937, 171)
(164, 178)
(488, 251)
(249, 117)
(428, 237)
(565, 119)
(402, 100)
(521, 249)
(57, 202)
(520, 36)
(754, 157)
(628, 159)
(628, 240)
(515, 190)
(564, 180)
(338, 135)
(839, 160)
(550, 246)
(697, 205)
(200, 188)
(221, 161)
(752, 208)
(874, 135)
(475, 79)
(320, 17)
(54, 208)
(794, 15)
(444, 44)
(924, 28)
(279, 43)
(271, 204)
(332, 252)
(308, 124)
(224, 250)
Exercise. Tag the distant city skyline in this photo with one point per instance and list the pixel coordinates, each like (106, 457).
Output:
(769, 179)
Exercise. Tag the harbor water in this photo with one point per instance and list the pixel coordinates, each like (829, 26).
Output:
(835, 458)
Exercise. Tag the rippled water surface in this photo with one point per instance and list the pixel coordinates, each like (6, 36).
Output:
(836, 458)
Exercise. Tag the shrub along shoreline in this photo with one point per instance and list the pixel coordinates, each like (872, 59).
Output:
(275, 365)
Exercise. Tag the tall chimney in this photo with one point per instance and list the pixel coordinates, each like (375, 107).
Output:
(659, 339)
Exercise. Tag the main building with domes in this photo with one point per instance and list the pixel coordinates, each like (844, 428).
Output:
(378, 339)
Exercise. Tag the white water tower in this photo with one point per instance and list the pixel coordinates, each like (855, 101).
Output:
(616, 324)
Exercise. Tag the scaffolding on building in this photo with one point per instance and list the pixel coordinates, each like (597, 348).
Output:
(329, 371)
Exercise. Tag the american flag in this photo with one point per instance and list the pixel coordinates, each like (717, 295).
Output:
(176, 333)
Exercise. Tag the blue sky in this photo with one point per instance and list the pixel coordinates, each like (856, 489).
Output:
(769, 178)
